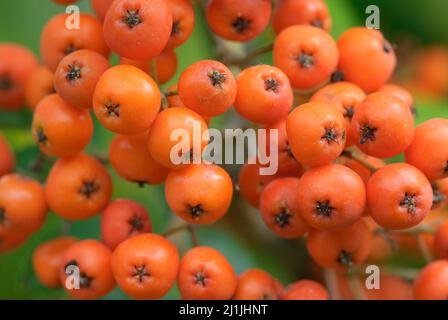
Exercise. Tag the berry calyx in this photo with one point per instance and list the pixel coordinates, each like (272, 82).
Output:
(89, 188)
(305, 60)
(74, 72)
(113, 109)
(241, 24)
(136, 224)
(200, 279)
(140, 273)
(345, 258)
(282, 219)
(367, 134)
(323, 208)
(409, 201)
(330, 136)
(5, 83)
(271, 84)
(196, 211)
(217, 78)
(132, 18)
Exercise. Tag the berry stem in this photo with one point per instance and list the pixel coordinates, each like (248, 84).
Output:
(252, 55)
(356, 287)
(423, 246)
(184, 227)
(358, 157)
(331, 282)
(154, 72)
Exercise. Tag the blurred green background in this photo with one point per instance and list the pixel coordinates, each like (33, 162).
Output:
(241, 235)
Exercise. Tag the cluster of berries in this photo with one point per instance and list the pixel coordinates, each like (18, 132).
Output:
(332, 186)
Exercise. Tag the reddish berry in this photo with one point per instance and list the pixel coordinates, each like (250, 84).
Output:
(305, 290)
(39, 85)
(101, 7)
(7, 157)
(257, 284)
(441, 241)
(439, 193)
(432, 282)
(183, 22)
(400, 93)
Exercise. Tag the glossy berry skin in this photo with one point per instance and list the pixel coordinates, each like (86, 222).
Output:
(57, 40)
(94, 262)
(401, 93)
(76, 77)
(205, 274)
(165, 65)
(316, 133)
(264, 94)
(183, 22)
(38, 86)
(287, 164)
(432, 282)
(22, 204)
(7, 157)
(138, 29)
(305, 290)
(12, 239)
(130, 157)
(399, 196)
(78, 188)
(257, 284)
(47, 259)
(60, 129)
(160, 143)
(441, 241)
(126, 100)
(307, 12)
(331, 197)
(357, 46)
(100, 7)
(123, 219)
(280, 210)
(342, 248)
(430, 142)
(306, 54)
(207, 87)
(17, 64)
(345, 97)
(383, 126)
(199, 194)
(145, 266)
(238, 20)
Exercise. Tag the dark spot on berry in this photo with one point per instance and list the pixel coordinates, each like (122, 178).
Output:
(73, 73)
(73, 263)
(89, 188)
(337, 76)
(445, 170)
(330, 136)
(437, 196)
(140, 273)
(136, 224)
(265, 296)
(70, 48)
(271, 84)
(200, 278)
(2, 215)
(113, 109)
(387, 48)
(196, 211)
(414, 110)
(217, 78)
(289, 151)
(175, 30)
(317, 23)
(367, 134)
(323, 208)
(5, 83)
(282, 219)
(409, 201)
(141, 184)
(84, 280)
(41, 137)
(132, 18)
(306, 61)
(345, 258)
(241, 24)
(349, 112)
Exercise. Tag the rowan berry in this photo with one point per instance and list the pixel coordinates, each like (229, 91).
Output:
(173, 98)
(316, 133)
(126, 100)
(305, 290)
(439, 193)
(47, 258)
(306, 54)
(76, 77)
(7, 157)
(257, 284)
(401, 93)
(57, 40)
(205, 274)
(199, 194)
(123, 219)
(431, 70)
(130, 23)
(365, 58)
(59, 128)
(264, 94)
(280, 210)
(78, 187)
(432, 282)
(238, 20)
(145, 266)
(161, 144)
(429, 149)
(383, 126)
(22, 203)
(17, 64)
(364, 172)
(309, 12)
(183, 22)
(342, 248)
(95, 272)
(101, 7)
(441, 241)
(39, 85)
(398, 196)
(207, 87)
(11, 239)
(130, 157)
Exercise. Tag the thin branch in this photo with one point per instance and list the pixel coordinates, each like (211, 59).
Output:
(423, 246)
(253, 55)
(359, 158)
(184, 227)
(331, 283)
